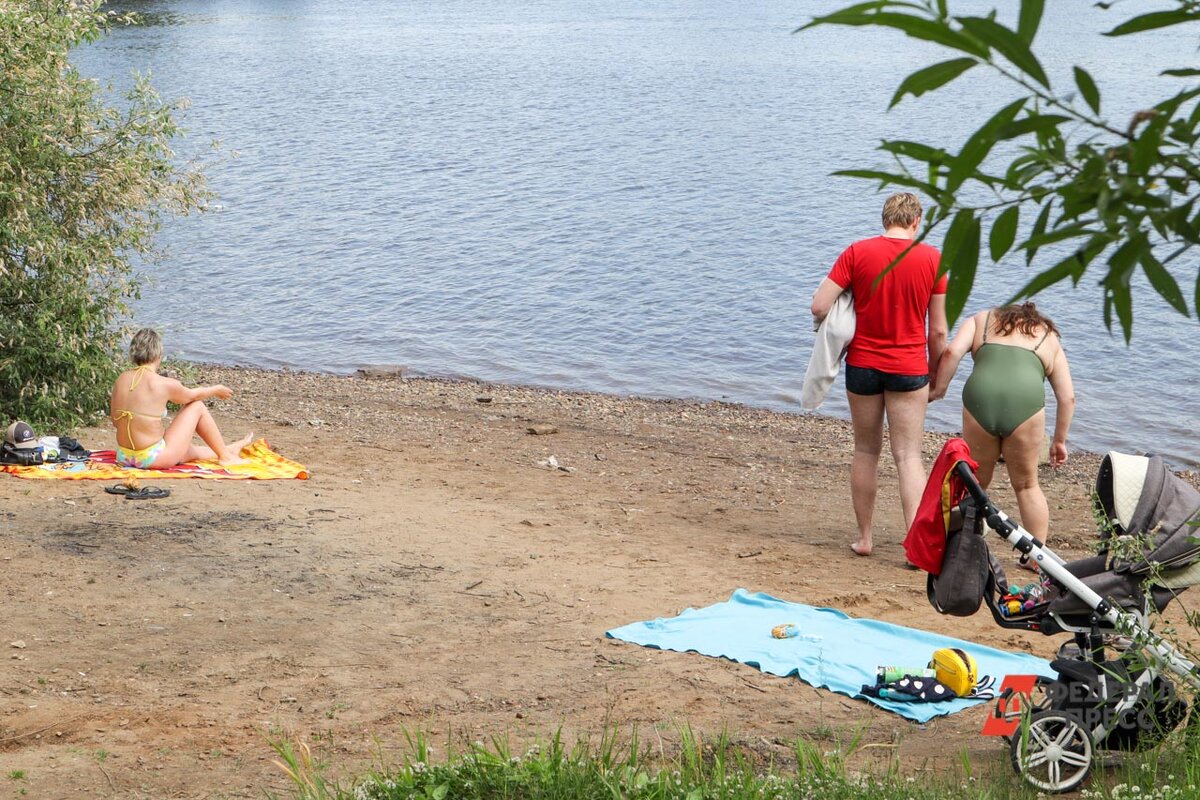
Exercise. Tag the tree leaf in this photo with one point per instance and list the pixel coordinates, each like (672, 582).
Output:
(1122, 302)
(960, 254)
(1155, 19)
(1034, 123)
(886, 178)
(1047, 278)
(1163, 282)
(1057, 235)
(1123, 259)
(917, 150)
(1087, 88)
(1181, 73)
(979, 145)
(1145, 148)
(1008, 44)
(929, 30)
(1031, 17)
(931, 77)
(1004, 232)
(1039, 227)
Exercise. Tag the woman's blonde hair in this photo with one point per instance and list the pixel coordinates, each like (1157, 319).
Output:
(145, 347)
(1025, 318)
(901, 210)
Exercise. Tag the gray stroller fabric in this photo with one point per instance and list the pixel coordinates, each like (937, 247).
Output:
(1121, 588)
(1164, 508)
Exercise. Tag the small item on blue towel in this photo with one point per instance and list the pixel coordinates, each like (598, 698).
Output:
(911, 689)
(891, 674)
(787, 631)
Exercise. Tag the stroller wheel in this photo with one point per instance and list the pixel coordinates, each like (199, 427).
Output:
(1054, 752)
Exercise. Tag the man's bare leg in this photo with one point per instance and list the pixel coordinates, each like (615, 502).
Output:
(906, 427)
(866, 413)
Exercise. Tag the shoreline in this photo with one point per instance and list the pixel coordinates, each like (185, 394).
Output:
(403, 373)
(451, 566)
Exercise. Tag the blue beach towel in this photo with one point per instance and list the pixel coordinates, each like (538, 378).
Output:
(833, 650)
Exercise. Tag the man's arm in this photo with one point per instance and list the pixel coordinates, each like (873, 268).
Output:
(827, 294)
(951, 357)
(938, 331)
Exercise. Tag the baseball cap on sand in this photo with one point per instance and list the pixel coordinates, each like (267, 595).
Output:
(21, 436)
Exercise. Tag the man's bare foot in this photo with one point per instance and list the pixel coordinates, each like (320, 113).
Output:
(861, 548)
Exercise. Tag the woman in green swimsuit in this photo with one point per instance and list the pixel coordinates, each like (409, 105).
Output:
(1004, 399)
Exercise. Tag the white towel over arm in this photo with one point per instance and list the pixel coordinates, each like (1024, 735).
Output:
(833, 337)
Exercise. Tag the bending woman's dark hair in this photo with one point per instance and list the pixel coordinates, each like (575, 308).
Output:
(1025, 318)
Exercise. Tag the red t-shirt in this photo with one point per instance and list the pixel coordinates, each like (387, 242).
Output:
(889, 333)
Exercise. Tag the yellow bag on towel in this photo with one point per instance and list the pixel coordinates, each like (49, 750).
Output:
(955, 669)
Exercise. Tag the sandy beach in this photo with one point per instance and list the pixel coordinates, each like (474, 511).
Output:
(438, 572)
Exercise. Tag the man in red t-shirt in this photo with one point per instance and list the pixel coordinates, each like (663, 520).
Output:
(893, 353)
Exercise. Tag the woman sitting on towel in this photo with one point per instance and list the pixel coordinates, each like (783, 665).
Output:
(138, 409)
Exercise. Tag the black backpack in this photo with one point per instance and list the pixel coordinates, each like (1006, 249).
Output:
(22, 458)
(969, 570)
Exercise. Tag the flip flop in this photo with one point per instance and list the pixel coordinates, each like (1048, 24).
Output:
(118, 488)
(147, 493)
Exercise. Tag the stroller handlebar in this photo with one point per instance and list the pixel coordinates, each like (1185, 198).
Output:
(967, 475)
(990, 514)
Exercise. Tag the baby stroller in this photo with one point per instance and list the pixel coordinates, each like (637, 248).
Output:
(1098, 701)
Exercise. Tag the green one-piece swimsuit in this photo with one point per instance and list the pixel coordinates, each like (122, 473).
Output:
(1007, 385)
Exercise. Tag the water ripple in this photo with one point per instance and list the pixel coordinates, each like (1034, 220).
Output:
(635, 199)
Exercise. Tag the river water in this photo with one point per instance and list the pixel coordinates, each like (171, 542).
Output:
(629, 197)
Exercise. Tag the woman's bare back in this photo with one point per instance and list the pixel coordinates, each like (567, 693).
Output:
(137, 408)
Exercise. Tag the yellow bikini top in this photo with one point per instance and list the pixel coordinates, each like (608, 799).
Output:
(127, 414)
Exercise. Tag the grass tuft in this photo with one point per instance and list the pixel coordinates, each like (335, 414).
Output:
(610, 768)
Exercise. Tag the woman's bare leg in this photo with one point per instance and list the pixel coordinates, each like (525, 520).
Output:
(866, 413)
(204, 453)
(985, 448)
(194, 419)
(1021, 452)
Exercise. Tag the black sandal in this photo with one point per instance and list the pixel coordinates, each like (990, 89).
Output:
(147, 493)
(119, 488)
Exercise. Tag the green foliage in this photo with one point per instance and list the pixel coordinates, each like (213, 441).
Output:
(83, 188)
(1124, 194)
(708, 770)
(608, 769)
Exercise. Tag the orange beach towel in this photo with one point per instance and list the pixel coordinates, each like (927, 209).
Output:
(264, 464)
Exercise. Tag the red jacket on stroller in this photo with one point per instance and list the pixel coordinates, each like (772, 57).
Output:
(925, 543)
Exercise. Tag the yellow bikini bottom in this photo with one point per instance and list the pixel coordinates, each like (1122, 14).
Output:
(142, 459)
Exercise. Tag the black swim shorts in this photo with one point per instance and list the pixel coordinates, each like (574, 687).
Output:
(864, 380)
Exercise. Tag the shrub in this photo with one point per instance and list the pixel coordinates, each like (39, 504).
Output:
(84, 185)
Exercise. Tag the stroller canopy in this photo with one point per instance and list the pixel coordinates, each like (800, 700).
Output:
(1139, 495)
